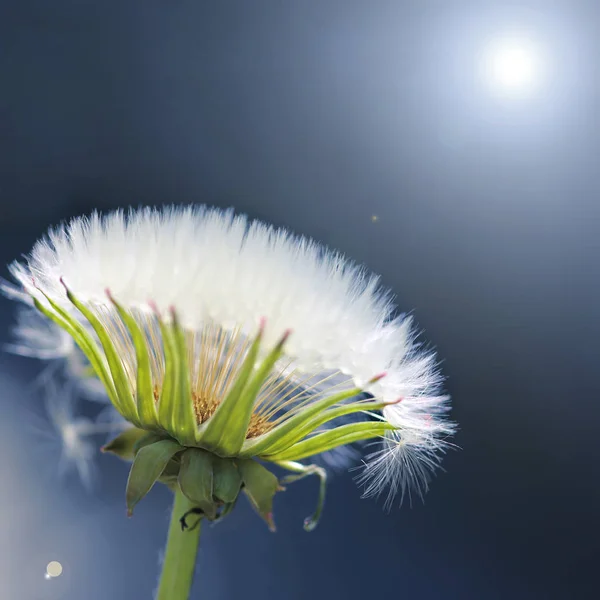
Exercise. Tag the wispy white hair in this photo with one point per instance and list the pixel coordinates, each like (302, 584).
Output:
(36, 336)
(66, 433)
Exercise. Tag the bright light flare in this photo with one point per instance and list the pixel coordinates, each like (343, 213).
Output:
(54, 569)
(512, 66)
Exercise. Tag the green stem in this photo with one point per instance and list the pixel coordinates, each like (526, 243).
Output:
(180, 555)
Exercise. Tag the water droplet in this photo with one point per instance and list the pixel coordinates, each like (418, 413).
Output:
(54, 569)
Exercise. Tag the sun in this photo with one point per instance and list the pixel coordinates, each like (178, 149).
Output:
(512, 65)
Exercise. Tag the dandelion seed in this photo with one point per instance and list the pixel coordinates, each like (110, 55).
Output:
(36, 336)
(68, 441)
(68, 433)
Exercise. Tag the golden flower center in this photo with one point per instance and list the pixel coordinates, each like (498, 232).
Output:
(204, 408)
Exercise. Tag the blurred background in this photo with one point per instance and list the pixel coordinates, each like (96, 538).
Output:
(451, 146)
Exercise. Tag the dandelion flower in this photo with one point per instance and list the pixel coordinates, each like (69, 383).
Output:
(225, 342)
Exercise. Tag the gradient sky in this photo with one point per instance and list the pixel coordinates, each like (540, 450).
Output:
(317, 115)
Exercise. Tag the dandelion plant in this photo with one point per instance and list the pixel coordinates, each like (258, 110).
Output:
(228, 347)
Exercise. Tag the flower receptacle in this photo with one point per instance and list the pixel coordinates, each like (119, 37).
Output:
(211, 483)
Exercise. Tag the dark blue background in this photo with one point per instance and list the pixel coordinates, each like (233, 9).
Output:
(316, 115)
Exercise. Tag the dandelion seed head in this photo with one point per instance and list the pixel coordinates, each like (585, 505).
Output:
(221, 276)
(214, 266)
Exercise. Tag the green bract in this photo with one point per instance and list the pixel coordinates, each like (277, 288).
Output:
(209, 453)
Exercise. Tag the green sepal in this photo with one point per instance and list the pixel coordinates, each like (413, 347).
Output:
(222, 432)
(288, 433)
(172, 469)
(148, 465)
(85, 342)
(332, 438)
(227, 480)
(196, 480)
(175, 409)
(168, 394)
(325, 417)
(151, 437)
(260, 485)
(237, 427)
(347, 409)
(126, 404)
(171, 482)
(170, 474)
(184, 418)
(227, 508)
(144, 390)
(125, 444)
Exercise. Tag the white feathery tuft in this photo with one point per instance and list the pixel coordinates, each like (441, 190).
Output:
(74, 437)
(35, 336)
(70, 434)
(214, 266)
(404, 465)
(15, 292)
